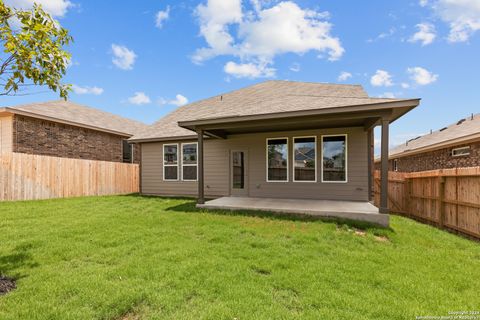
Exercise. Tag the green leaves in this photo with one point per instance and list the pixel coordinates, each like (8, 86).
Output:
(32, 51)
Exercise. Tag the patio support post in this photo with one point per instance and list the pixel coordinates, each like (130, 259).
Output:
(384, 168)
(201, 195)
(370, 163)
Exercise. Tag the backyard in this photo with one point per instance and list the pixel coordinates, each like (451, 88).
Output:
(132, 257)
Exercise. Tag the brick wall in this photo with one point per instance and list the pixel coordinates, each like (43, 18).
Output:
(36, 136)
(437, 159)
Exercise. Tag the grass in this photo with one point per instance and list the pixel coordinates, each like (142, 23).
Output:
(132, 257)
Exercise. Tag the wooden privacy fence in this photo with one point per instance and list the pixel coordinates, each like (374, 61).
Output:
(30, 177)
(447, 198)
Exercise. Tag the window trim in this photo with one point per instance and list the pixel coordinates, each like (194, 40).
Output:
(316, 158)
(460, 155)
(170, 165)
(346, 156)
(188, 165)
(288, 161)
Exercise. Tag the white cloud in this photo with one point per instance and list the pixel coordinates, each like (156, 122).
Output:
(87, 90)
(248, 70)
(463, 17)
(258, 35)
(295, 67)
(139, 98)
(123, 57)
(57, 8)
(344, 76)
(381, 79)
(425, 34)
(384, 35)
(422, 76)
(423, 3)
(405, 85)
(389, 95)
(179, 100)
(161, 17)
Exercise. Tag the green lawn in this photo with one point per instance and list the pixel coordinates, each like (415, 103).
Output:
(132, 257)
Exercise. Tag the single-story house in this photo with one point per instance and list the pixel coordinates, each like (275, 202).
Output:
(271, 141)
(69, 130)
(454, 146)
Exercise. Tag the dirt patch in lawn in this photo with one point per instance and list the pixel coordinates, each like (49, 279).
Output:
(6, 285)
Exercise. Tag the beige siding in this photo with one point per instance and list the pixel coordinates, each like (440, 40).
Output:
(217, 168)
(6, 132)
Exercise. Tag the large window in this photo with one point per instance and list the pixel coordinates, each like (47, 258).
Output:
(170, 162)
(334, 153)
(304, 153)
(189, 161)
(277, 159)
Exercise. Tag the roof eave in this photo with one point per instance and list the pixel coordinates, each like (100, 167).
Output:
(160, 139)
(407, 103)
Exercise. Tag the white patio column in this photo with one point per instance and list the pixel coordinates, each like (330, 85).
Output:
(384, 168)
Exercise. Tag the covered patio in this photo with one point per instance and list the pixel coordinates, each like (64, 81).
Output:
(352, 210)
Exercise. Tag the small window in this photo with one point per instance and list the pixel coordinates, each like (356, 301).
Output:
(395, 165)
(277, 160)
(127, 150)
(304, 153)
(459, 152)
(170, 162)
(334, 153)
(189, 161)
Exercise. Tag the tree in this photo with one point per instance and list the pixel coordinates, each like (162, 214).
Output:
(33, 51)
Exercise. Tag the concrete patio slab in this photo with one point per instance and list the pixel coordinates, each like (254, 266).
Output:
(353, 210)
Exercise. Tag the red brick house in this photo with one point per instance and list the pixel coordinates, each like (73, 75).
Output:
(454, 146)
(69, 130)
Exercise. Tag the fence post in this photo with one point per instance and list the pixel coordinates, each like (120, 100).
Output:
(408, 197)
(441, 197)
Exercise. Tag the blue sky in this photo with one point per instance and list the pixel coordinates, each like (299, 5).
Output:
(141, 59)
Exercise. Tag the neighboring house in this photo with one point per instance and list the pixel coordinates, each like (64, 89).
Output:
(68, 130)
(455, 146)
(251, 142)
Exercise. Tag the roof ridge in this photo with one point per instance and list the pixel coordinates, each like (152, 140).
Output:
(313, 82)
(344, 97)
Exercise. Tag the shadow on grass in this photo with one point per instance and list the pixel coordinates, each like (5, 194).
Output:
(20, 258)
(190, 207)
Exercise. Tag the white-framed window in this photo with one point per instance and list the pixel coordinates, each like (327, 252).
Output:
(459, 152)
(170, 162)
(189, 161)
(277, 159)
(395, 164)
(305, 159)
(334, 158)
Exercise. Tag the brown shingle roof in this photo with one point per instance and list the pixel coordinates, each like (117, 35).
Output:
(461, 130)
(83, 116)
(263, 98)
